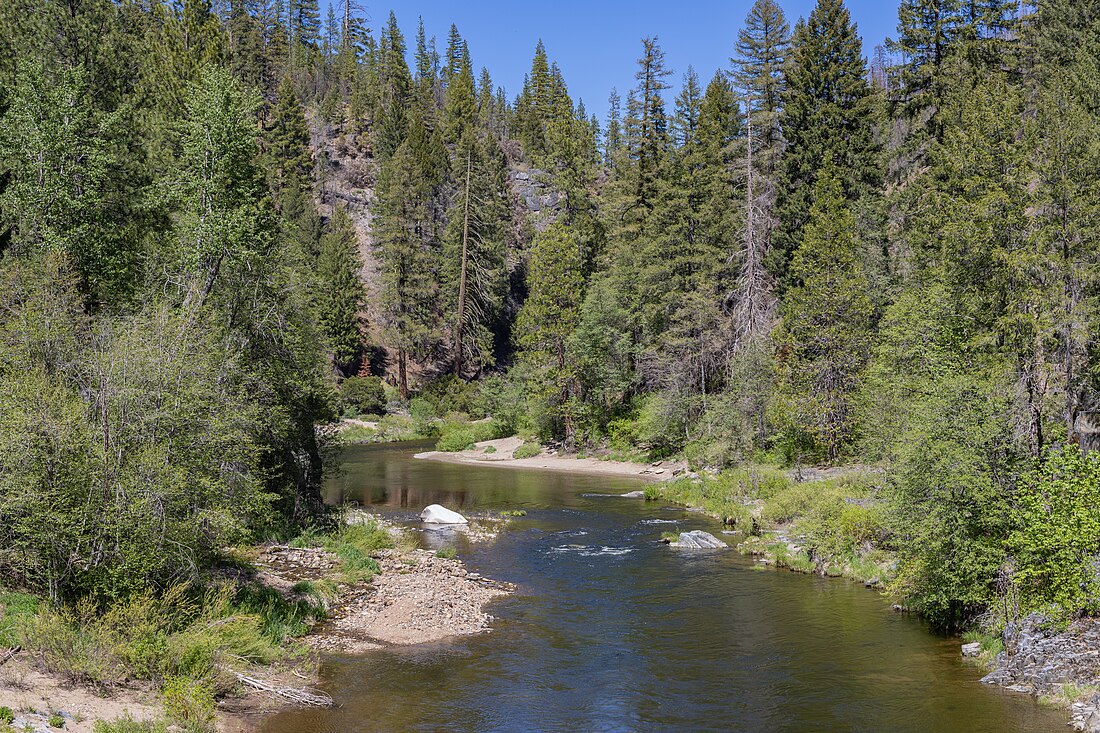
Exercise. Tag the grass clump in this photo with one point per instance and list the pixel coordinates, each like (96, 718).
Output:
(126, 724)
(529, 449)
(353, 545)
(652, 493)
(513, 513)
(670, 537)
(447, 553)
(357, 434)
(55, 721)
(18, 609)
(7, 715)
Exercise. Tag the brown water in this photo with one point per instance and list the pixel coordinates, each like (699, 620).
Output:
(611, 631)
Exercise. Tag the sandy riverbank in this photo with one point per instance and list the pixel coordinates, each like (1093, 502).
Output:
(500, 454)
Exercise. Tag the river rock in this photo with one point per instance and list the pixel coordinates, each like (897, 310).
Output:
(436, 514)
(972, 650)
(699, 540)
(633, 495)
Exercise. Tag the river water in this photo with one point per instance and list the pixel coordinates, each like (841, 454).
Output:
(612, 631)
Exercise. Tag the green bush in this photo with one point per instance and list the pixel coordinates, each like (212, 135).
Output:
(364, 394)
(190, 703)
(529, 449)
(451, 394)
(7, 715)
(446, 553)
(56, 721)
(1056, 535)
(652, 493)
(457, 436)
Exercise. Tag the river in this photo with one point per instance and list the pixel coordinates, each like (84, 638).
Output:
(612, 631)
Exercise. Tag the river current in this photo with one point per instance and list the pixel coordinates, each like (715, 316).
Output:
(610, 630)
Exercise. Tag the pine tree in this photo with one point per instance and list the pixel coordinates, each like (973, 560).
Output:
(288, 139)
(549, 316)
(474, 245)
(613, 133)
(339, 291)
(826, 335)
(762, 47)
(459, 100)
(828, 110)
(395, 87)
(409, 191)
(646, 123)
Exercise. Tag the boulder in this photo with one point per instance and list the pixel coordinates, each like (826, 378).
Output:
(699, 540)
(633, 495)
(436, 514)
(972, 650)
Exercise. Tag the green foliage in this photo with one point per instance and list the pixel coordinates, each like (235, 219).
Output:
(950, 512)
(458, 436)
(190, 703)
(18, 608)
(529, 449)
(825, 339)
(6, 715)
(1056, 535)
(365, 394)
(56, 721)
(353, 544)
(447, 553)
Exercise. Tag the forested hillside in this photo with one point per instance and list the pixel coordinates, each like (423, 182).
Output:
(796, 259)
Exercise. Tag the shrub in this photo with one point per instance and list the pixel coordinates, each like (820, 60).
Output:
(652, 493)
(527, 450)
(56, 721)
(457, 436)
(7, 715)
(451, 394)
(364, 394)
(446, 553)
(1056, 533)
(190, 703)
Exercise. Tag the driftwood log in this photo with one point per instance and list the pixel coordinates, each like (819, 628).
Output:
(311, 698)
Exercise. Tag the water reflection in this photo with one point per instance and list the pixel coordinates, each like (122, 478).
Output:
(611, 631)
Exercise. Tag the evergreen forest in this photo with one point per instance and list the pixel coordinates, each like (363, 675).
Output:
(226, 222)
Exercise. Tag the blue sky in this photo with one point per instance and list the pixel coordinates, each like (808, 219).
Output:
(596, 42)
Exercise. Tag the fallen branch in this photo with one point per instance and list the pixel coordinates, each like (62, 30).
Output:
(7, 655)
(311, 698)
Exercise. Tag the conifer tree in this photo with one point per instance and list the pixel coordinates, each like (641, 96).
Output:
(549, 316)
(762, 49)
(395, 88)
(339, 291)
(828, 110)
(825, 336)
(288, 139)
(409, 230)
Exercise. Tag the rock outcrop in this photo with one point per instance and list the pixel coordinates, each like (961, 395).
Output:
(1043, 661)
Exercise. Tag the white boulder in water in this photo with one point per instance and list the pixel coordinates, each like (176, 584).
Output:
(699, 540)
(633, 495)
(436, 514)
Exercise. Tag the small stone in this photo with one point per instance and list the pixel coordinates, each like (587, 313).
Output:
(971, 650)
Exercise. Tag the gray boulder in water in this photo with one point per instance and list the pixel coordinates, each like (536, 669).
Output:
(633, 495)
(436, 514)
(699, 540)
